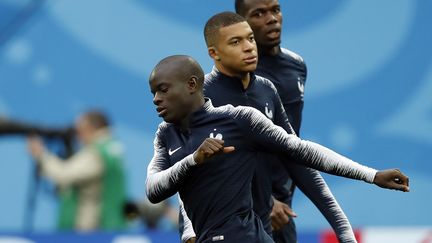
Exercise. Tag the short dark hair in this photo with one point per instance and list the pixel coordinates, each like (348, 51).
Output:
(96, 118)
(239, 6)
(218, 21)
(186, 66)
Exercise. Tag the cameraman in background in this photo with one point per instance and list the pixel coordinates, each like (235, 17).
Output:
(91, 183)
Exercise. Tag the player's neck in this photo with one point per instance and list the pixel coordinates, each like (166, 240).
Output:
(269, 50)
(195, 106)
(243, 76)
(245, 80)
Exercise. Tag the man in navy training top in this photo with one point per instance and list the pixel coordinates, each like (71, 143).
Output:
(207, 155)
(287, 71)
(228, 42)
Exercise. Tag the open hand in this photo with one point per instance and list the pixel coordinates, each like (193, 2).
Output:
(392, 179)
(209, 148)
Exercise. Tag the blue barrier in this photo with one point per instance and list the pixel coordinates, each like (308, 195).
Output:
(103, 237)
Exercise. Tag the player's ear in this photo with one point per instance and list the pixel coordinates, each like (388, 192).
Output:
(193, 84)
(213, 53)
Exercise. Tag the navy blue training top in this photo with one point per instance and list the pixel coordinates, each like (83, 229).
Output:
(217, 194)
(261, 95)
(287, 71)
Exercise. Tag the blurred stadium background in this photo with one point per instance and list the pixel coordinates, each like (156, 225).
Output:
(368, 95)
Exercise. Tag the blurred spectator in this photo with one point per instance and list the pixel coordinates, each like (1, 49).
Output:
(91, 183)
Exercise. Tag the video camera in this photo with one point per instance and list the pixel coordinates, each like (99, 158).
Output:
(12, 127)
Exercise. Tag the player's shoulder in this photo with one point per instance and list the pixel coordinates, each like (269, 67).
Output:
(223, 111)
(237, 113)
(163, 128)
(210, 83)
(228, 112)
(286, 53)
(208, 78)
(211, 77)
(265, 83)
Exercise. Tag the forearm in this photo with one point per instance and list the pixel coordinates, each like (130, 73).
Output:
(161, 184)
(81, 167)
(52, 167)
(274, 138)
(313, 185)
(321, 158)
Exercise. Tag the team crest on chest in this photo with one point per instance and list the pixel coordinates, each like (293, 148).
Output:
(300, 85)
(268, 112)
(215, 135)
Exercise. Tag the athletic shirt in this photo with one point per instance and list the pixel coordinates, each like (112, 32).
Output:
(287, 71)
(217, 193)
(262, 95)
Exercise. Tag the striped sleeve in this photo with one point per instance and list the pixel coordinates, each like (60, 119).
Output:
(273, 138)
(162, 179)
(313, 185)
(186, 230)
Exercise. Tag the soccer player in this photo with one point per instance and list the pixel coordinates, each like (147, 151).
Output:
(230, 42)
(207, 155)
(287, 71)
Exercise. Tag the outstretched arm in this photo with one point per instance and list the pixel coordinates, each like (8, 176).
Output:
(83, 166)
(274, 139)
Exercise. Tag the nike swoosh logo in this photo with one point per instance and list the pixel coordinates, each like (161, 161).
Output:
(171, 152)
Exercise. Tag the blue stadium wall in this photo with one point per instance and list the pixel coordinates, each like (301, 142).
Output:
(368, 93)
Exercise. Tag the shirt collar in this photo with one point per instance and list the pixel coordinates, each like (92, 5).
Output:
(197, 116)
(233, 82)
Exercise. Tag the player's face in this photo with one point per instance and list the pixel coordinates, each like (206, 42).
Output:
(265, 19)
(235, 49)
(170, 95)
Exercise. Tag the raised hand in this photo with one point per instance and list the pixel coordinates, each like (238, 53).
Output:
(209, 148)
